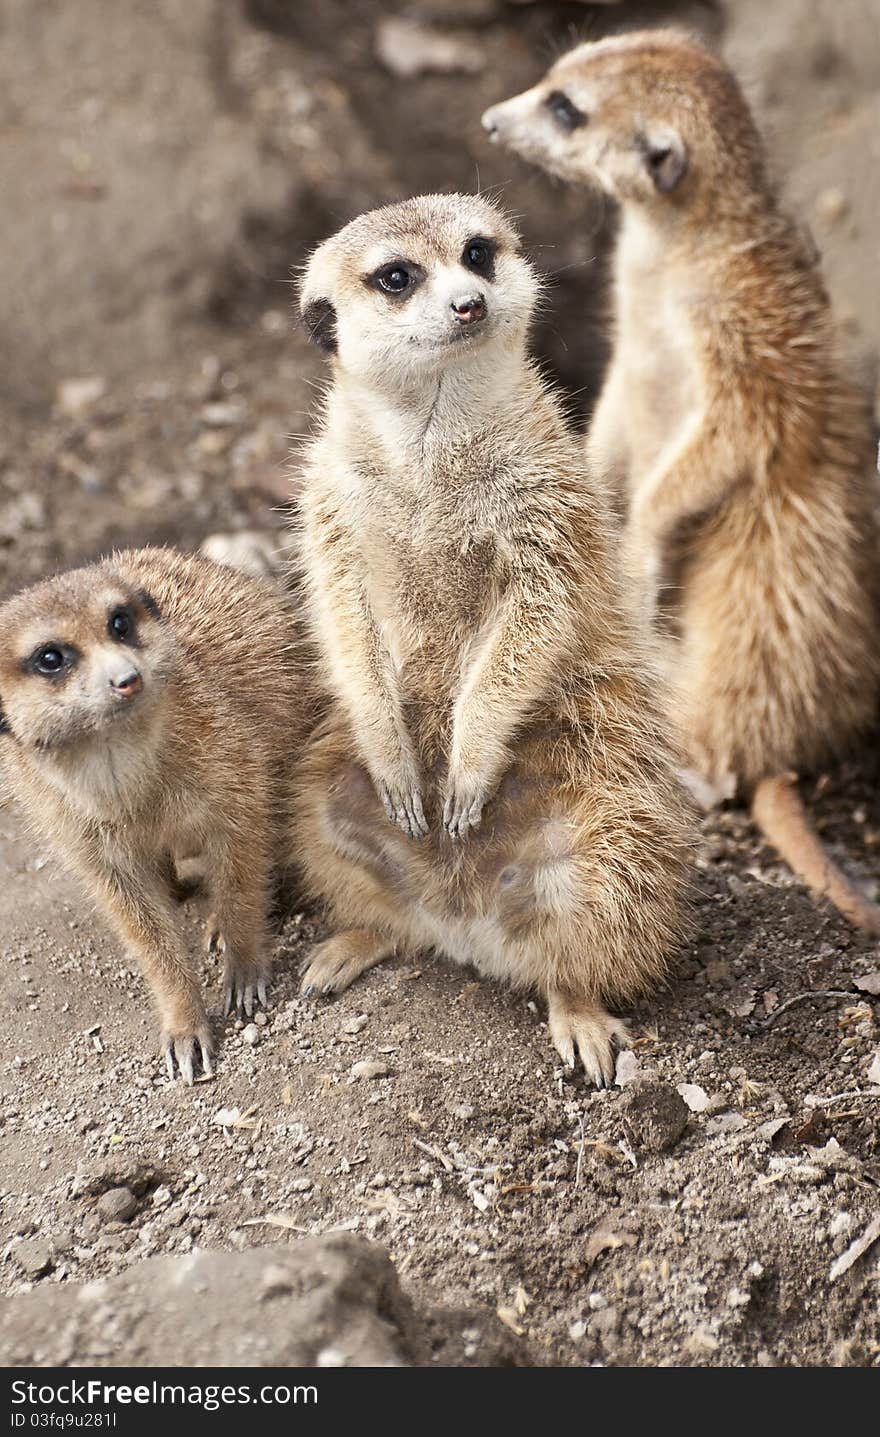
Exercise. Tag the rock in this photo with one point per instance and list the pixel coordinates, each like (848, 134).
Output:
(294, 1306)
(696, 1097)
(75, 396)
(655, 1116)
(370, 1068)
(117, 1205)
(627, 1069)
(605, 1323)
(251, 1035)
(34, 1256)
(122, 1169)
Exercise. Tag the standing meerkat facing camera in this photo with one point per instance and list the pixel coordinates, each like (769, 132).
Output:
(494, 778)
(148, 708)
(739, 449)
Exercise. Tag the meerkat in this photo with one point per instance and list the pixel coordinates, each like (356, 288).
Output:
(726, 424)
(259, 552)
(493, 777)
(149, 705)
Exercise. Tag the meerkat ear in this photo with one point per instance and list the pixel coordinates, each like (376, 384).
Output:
(319, 318)
(315, 305)
(666, 159)
(146, 601)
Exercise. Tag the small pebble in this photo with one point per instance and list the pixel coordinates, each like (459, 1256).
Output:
(34, 1256)
(117, 1205)
(251, 1035)
(370, 1068)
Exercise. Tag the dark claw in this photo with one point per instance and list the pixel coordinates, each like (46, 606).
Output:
(308, 990)
(328, 989)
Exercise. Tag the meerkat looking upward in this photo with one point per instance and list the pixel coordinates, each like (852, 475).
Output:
(494, 777)
(740, 451)
(148, 708)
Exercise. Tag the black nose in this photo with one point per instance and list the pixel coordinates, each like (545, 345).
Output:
(128, 685)
(469, 311)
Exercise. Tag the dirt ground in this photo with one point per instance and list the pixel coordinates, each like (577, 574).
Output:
(160, 183)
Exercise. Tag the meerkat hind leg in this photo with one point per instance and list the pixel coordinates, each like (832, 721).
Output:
(338, 961)
(581, 1025)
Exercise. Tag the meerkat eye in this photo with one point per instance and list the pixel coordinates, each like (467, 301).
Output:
(479, 255)
(120, 625)
(564, 111)
(393, 278)
(49, 660)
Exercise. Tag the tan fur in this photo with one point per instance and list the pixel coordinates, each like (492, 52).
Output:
(488, 689)
(196, 762)
(739, 449)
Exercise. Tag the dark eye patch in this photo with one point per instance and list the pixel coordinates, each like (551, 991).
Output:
(479, 255)
(397, 279)
(564, 111)
(148, 603)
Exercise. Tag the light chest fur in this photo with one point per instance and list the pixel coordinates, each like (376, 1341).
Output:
(656, 364)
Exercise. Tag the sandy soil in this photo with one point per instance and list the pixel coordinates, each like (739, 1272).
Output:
(617, 1228)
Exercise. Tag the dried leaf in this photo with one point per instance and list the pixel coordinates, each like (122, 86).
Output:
(435, 1153)
(855, 1250)
(275, 1219)
(234, 1118)
(605, 1240)
(508, 1317)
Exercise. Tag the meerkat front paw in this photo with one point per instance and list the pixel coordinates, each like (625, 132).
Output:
(465, 800)
(580, 1026)
(402, 802)
(186, 1046)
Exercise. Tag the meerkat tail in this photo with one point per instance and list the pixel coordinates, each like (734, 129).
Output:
(779, 813)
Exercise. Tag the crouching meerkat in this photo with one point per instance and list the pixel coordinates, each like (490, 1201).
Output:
(494, 777)
(740, 451)
(148, 708)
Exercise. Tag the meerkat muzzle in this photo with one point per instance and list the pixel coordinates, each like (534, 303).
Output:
(128, 686)
(469, 311)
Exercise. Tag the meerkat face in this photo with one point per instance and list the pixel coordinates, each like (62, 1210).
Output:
(79, 655)
(634, 114)
(418, 286)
